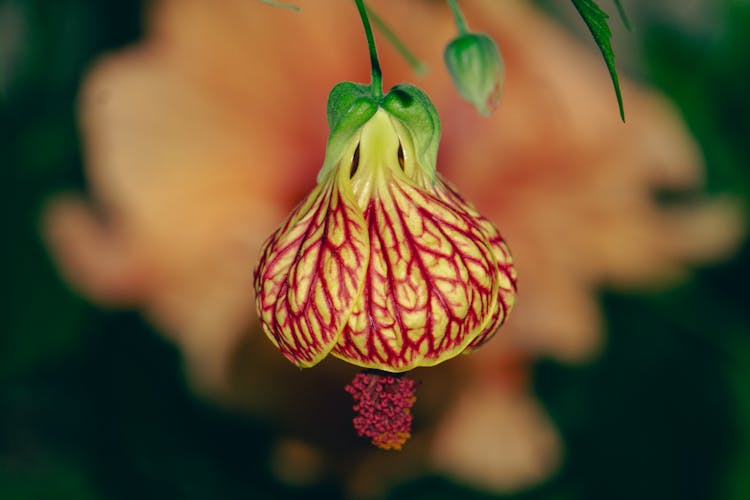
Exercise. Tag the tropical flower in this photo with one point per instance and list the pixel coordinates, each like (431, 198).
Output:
(383, 265)
(184, 137)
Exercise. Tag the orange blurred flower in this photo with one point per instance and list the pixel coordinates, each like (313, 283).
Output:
(202, 137)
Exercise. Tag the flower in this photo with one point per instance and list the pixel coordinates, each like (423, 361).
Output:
(477, 70)
(184, 137)
(383, 265)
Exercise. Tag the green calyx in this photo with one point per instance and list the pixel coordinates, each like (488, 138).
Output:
(351, 105)
(416, 112)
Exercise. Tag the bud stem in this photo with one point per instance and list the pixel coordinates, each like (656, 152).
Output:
(460, 21)
(282, 5)
(377, 76)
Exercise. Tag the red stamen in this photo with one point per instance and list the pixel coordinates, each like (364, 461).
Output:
(383, 405)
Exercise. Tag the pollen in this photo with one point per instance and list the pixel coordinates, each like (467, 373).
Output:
(383, 405)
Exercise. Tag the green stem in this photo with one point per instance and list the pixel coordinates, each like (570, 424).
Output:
(377, 75)
(623, 16)
(460, 21)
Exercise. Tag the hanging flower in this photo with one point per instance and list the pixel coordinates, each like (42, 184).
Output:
(383, 265)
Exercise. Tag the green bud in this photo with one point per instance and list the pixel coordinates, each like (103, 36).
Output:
(477, 69)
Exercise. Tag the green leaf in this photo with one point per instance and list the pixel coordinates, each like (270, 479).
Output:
(596, 20)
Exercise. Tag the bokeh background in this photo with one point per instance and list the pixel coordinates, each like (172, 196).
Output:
(94, 402)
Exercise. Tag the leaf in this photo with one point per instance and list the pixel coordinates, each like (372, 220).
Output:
(596, 20)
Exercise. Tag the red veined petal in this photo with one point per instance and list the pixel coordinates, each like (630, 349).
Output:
(430, 286)
(310, 273)
(507, 273)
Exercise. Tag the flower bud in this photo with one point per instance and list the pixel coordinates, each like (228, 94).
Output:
(477, 69)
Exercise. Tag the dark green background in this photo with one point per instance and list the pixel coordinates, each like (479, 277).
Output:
(93, 403)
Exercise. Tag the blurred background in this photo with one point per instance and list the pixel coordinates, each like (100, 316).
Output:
(95, 403)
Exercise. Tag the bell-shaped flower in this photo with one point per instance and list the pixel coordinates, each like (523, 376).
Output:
(383, 265)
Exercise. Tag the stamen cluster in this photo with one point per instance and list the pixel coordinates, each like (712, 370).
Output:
(383, 405)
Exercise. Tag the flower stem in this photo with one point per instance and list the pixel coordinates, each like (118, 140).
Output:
(377, 75)
(460, 21)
